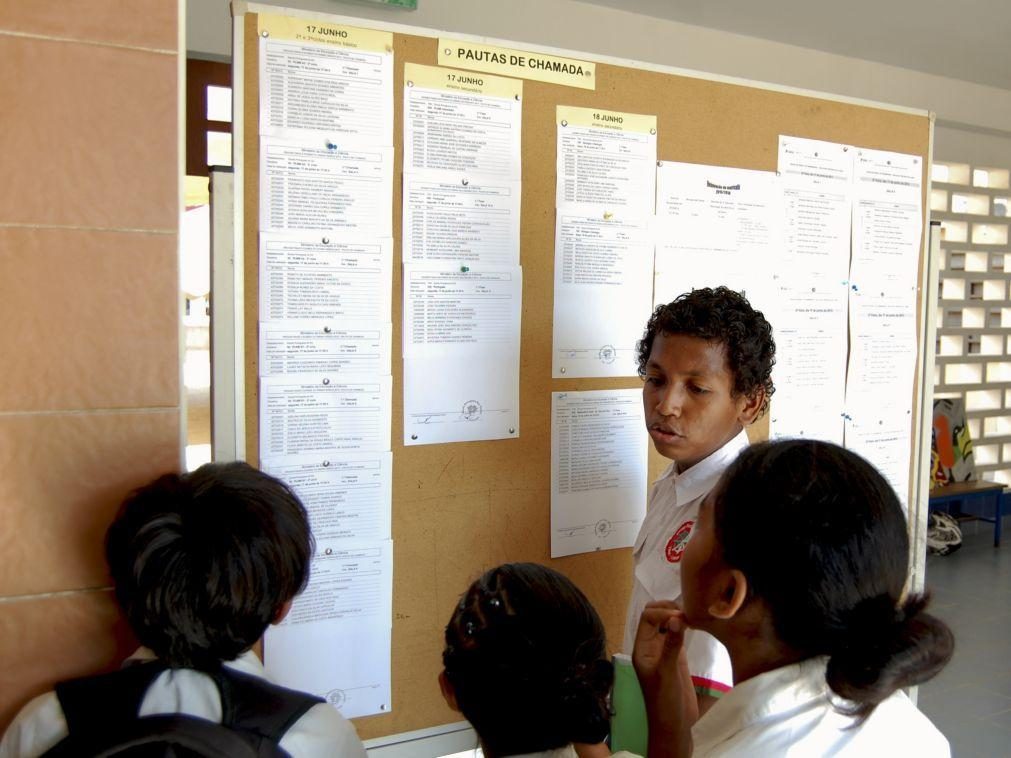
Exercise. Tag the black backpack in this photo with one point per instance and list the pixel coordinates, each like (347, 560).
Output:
(101, 713)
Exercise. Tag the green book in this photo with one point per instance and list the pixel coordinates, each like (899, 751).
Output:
(628, 724)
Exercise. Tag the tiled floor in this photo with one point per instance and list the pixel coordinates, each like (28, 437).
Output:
(970, 701)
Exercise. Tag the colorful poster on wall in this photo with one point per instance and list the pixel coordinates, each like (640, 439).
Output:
(951, 457)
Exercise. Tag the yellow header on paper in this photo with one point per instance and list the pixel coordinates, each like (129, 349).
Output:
(521, 63)
(431, 77)
(614, 121)
(272, 26)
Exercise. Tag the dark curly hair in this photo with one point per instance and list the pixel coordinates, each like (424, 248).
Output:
(202, 562)
(527, 659)
(724, 316)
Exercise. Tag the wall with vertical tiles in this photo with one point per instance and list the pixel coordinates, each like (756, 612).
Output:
(973, 360)
(89, 343)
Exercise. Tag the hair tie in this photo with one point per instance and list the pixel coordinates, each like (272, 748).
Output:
(492, 607)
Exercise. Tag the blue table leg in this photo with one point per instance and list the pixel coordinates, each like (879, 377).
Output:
(997, 517)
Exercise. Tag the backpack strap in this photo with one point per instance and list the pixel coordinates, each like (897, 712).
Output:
(168, 735)
(106, 698)
(261, 710)
(255, 705)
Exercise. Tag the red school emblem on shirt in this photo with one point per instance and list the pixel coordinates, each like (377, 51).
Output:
(676, 546)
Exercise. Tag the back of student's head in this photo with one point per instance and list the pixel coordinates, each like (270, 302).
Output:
(203, 562)
(822, 540)
(527, 660)
(719, 315)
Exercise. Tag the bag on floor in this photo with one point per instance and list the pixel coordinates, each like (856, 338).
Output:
(943, 534)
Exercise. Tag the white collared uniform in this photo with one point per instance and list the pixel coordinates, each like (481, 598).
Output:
(321, 731)
(789, 712)
(671, 513)
(563, 752)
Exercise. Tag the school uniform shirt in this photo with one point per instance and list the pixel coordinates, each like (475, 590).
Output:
(563, 752)
(321, 732)
(789, 712)
(671, 513)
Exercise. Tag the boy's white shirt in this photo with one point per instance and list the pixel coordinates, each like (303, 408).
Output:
(321, 731)
(789, 711)
(673, 507)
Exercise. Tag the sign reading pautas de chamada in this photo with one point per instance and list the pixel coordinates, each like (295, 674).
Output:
(595, 118)
(520, 63)
(312, 30)
(452, 80)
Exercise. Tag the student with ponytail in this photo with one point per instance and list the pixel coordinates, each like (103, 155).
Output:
(799, 566)
(526, 663)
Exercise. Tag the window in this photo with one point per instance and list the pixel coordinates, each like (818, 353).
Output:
(208, 116)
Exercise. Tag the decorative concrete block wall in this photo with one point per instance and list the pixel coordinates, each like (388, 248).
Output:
(973, 204)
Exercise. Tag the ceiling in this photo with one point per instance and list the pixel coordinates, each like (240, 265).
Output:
(963, 39)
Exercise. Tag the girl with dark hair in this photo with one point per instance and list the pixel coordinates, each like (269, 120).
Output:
(526, 663)
(799, 566)
(202, 563)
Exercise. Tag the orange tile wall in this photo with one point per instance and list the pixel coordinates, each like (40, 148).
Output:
(89, 315)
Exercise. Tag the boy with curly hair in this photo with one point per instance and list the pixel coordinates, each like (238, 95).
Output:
(706, 359)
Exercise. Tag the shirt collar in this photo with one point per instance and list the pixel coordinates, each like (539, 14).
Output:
(702, 477)
(246, 663)
(563, 752)
(764, 697)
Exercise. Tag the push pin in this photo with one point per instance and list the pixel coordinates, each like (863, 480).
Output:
(414, 436)
(464, 269)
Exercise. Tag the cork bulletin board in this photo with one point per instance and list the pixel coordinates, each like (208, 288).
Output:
(459, 509)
